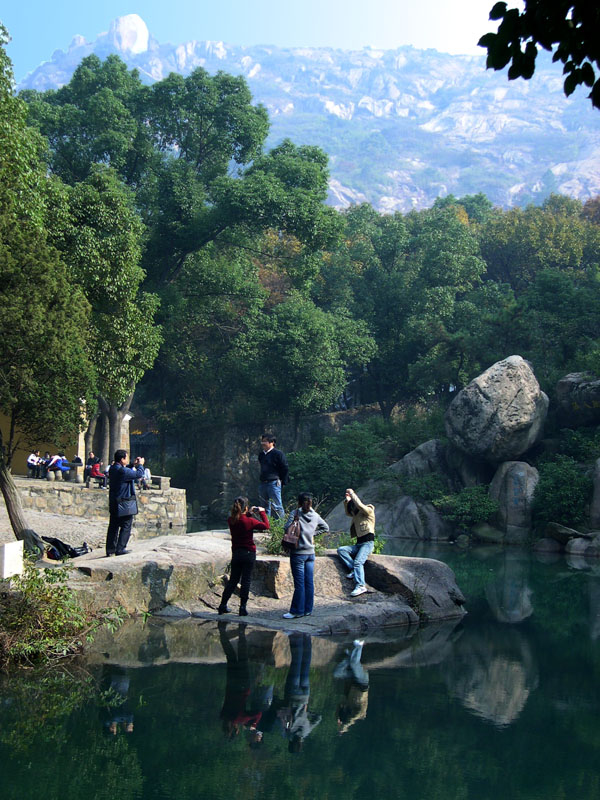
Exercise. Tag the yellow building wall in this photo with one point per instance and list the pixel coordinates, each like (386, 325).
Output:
(72, 446)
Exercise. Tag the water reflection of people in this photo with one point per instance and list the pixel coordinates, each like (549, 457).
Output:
(356, 689)
(234, 713)
(295, 718)
(118, 713)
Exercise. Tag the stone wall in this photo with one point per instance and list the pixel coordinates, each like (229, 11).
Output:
(160, 508)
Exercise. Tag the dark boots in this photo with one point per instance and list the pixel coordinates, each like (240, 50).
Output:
(243, 601)
(222, 609)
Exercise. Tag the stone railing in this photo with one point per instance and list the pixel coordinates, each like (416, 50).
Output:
(160, 508)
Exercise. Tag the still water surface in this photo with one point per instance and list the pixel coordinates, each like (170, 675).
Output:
(503, 705)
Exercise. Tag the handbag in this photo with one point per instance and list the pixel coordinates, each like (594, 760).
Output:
(127, 506)
(292, 535)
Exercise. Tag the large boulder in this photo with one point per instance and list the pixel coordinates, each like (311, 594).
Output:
(513, 487)
(500, 414)
(578, 399)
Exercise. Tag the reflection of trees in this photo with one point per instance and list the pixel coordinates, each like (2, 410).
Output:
(492, 672)
(58, 748)
(509, 594)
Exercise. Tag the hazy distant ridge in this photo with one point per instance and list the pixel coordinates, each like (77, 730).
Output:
(401, 126)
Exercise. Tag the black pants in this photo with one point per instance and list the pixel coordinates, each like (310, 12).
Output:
(242, 564)
(118, 533)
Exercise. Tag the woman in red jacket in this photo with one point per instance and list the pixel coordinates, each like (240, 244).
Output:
(242, 525)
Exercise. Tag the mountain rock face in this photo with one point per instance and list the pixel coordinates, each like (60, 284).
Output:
(402, 127)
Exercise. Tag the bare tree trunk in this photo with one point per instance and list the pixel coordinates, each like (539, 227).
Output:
(14, 507)
(296, 431)
(105, 454)
(91, 432)
(11, 447)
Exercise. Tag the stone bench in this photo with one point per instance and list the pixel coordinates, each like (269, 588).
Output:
(74, 474)
(161, 482)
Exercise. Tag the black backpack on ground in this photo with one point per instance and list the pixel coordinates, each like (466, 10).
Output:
(60, 550)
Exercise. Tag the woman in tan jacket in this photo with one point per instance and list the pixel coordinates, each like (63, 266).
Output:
(363, 528)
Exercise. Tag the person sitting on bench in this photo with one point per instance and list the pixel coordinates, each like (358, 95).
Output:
(97, 475)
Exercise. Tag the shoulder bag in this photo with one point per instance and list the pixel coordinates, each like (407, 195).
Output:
(292, 535)
(127, 506)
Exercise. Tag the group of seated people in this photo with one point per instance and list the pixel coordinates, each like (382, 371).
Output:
(94, 471)
(39, 467)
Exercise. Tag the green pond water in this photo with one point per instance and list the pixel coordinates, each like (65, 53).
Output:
(505, 704)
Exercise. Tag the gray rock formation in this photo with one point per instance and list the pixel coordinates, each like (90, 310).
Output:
(595, 505)
(578, 399)
(500, 414)
(397, 513)
(178, 576)
(513, 486)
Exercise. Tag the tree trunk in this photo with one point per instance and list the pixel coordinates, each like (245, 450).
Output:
(115, 414)
(11, 447)
(12, 499)
(296, 431)
(104, 448)
(90, 433)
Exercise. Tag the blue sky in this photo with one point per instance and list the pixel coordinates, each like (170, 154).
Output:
(39, 27)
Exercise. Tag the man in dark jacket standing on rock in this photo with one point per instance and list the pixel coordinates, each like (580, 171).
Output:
(121, 488)
(273, 475)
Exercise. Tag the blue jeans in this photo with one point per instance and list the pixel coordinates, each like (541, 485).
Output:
(303, 570)
(350, 667)
(354, 557)
(297, 684)
(270, 494)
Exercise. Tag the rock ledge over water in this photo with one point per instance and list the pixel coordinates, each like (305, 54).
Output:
(182, 576)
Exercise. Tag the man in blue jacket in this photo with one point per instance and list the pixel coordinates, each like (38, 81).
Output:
(121, 484)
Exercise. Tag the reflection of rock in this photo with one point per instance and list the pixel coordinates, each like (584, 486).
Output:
(508, 593)
(500, 414)
(594, 599)
(430, 645)
(492, 673)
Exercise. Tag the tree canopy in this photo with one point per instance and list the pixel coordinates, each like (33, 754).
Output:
(567, 28)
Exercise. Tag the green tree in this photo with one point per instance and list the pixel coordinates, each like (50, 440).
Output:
(567, 28)
(45, 373)
(99, 233)
(407, 279)
(518, 243)
(300, 354)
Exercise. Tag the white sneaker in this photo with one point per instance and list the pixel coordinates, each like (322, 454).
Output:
(358, 642)
(350, 575)
(358, 590)
(289, 615)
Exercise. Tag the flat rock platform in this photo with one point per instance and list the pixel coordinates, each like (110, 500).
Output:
(180, 576)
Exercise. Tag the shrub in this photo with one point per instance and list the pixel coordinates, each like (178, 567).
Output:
(562, 494)
(468, 507)
(359, 452)
(583, 445)
(41, 619)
